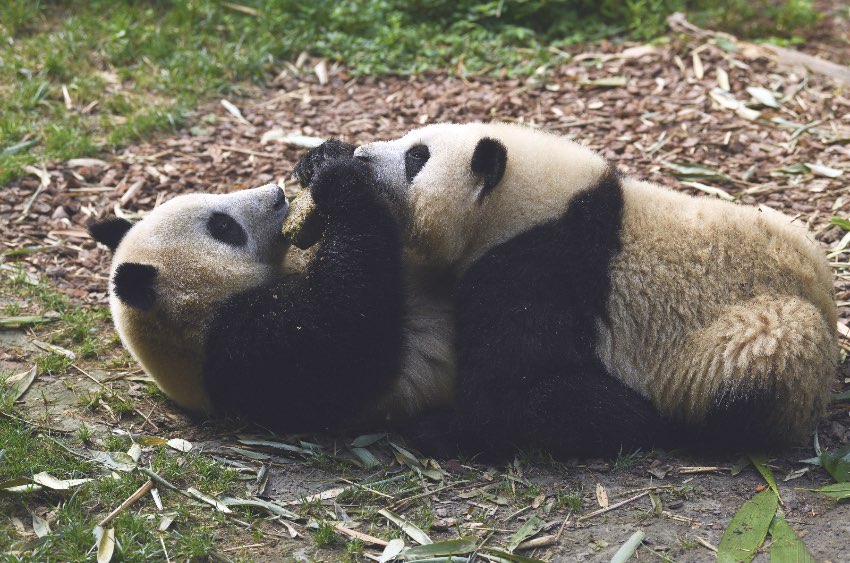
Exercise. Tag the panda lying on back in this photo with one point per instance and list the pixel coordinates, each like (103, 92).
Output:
(595, 311)
(202, 297)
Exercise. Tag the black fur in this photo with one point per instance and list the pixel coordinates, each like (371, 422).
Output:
(315, 158)
(134, 285)
(110, 232)
(414, 160)
(526, 317)
(309, 351)
(225, 228)
(488, 162)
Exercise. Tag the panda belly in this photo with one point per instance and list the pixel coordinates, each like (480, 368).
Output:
(526, 317)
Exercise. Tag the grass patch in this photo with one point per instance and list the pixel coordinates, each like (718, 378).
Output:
(73, 514)
(78, 78)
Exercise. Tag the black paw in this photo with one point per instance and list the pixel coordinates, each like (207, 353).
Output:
(341, 184)
(310, 163)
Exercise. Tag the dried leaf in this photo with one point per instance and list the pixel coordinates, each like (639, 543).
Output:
(711, 190)
(690, 171)
(24, 321)
(699, 70)
(165, 522)
(118, 461)
(763, 96)
(531, 527)
(392, 550)
(193, 492)
(321, 70)
(601, 496)
(105, 544)
(135, 452)
(233, 110)
(55, 349)
(825, 171)
(258, 503)
(90, 162)
(723, 79)
(411, 530)
(180, 445)
(293, 139)
(727, 100)
(20, 383)
(366, 457)
(510, 557)
(40, 525)
(748, 528)
(51, 482)
(607, 82)
(367, 440)
(628, 549)
(786, 547)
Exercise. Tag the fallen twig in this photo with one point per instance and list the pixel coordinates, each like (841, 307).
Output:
(131, 500)
(360, 535)
(613, 506)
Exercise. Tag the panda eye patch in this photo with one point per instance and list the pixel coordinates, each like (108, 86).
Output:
(414, 160)
(224, 228)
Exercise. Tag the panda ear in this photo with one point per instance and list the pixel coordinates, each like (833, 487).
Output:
(488, 163)
(110, 232)
(133, 284)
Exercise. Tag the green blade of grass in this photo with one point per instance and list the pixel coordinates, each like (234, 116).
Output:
(760, 462)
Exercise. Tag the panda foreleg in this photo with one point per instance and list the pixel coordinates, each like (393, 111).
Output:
(330, 337)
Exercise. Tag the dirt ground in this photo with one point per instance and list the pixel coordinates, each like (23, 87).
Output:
(643, 107)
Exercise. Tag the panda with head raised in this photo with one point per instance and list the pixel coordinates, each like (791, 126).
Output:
(203, 296)
(595, 311)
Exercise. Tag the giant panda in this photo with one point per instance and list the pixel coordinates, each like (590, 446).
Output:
(205, 297)
(595, 312)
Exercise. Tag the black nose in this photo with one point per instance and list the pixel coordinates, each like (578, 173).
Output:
(280, 199)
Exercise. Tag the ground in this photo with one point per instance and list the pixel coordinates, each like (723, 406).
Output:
(659, 112)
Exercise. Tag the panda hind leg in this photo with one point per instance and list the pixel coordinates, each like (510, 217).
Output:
(758, 376)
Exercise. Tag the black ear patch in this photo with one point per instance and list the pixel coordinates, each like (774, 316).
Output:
(110, 232)
(133, 284)
(488, 162)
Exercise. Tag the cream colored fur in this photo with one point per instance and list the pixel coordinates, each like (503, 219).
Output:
(713, 299)
(710, 299)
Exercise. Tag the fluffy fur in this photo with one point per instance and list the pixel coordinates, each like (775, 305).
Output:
(594, 311)
(203, 296)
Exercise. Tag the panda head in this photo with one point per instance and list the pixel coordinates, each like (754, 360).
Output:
(172, 269)
(462, 188)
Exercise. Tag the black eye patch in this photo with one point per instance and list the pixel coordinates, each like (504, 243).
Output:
(414, 160)
(223, 227)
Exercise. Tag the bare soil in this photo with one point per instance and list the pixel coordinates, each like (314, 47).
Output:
(642, 107)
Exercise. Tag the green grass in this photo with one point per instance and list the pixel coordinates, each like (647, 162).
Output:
(76, 512)
(133, 67)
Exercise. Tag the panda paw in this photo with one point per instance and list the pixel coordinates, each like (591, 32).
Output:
(341, 185)
(311, 162)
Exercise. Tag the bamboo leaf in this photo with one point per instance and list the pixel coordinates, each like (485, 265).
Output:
(838, 491)
(760, 463)
(411, 530)
(531, 527)
(786, 546)
(105, 544)
(748, 528)
(459, 546)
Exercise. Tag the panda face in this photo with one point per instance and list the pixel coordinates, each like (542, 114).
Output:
(461, 188)
(198, 249)
(171, 270)
(437, 179)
